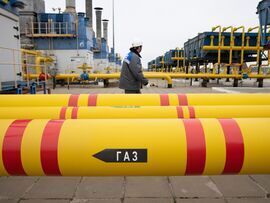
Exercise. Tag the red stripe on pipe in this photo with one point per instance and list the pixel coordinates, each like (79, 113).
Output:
(191, 112)
(73, 100)
(164, 100)
(235, 150)
(63, 113)
(196, 147)
(180, 112)
(74, 114)
(182, 99)
(11, 151)
(49, 148)
(92, 100)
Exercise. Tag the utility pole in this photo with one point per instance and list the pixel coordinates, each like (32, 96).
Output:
(113, 33)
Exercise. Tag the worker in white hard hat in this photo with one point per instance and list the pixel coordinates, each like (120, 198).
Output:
(132, 78)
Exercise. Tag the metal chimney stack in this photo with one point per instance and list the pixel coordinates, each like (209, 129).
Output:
(70, 6)
(98, 21)
(105, 29)
(89, 11)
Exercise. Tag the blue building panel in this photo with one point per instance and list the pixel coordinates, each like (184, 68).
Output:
(112, 56)
(103, 53)
(64, 23)
(194, 47)
(10, 5)
(119, 62)
(158, 61)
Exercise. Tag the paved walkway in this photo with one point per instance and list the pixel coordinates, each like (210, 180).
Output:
(214, 189)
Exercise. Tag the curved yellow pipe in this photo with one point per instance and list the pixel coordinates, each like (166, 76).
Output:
(134, 100)
(40, 59)
(243, 42)
(30, 52)
(135, 112)
(219, 42)
(231, 42)
(144, 147)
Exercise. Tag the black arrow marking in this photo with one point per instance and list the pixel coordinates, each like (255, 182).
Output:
(122, 155)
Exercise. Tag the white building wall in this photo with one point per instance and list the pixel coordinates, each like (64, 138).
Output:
(119, 67)
(10, 54)
(112, 66)
(100, 65)
(67, 61)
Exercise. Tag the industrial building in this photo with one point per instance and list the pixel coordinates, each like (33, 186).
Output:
(83, 143)
(67, 37)
(65, 45)
(10, 53)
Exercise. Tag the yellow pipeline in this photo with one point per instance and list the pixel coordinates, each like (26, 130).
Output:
(260, 76)
(258, 44)
(243, 43)
(206, 76)
(30, 52)
(165, 147)
(150, 75)
(39, 60)
(219, 42)
(134, 100)
(234, 48)
(135, 112)
(107, 76)
(231, 42)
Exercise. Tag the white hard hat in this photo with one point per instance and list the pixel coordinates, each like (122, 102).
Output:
(136, 44)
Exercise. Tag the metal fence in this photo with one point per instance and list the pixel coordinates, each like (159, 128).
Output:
(51, 28)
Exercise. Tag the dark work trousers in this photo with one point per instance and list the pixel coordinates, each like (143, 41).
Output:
(132, 91)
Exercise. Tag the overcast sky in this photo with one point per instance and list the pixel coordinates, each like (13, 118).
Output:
(164, 25)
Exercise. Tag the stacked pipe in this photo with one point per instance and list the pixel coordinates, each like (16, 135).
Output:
(153, 135)
(70, 6)
(105, 29)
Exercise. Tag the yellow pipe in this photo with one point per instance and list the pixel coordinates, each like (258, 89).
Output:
(260, 76)
(39, 60)
(85, 66)
(135, 112)
(53, 35)
(205, 76)
(219, 42)
(231, 41)
(160, 76)
(164, 147)
(134, 100)
(30, 52)
(258, 45)
(109, 76)
(248, 39)
(243, 42)
(234, 48)
(212, 40)
(150, 75)
(222, 41)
